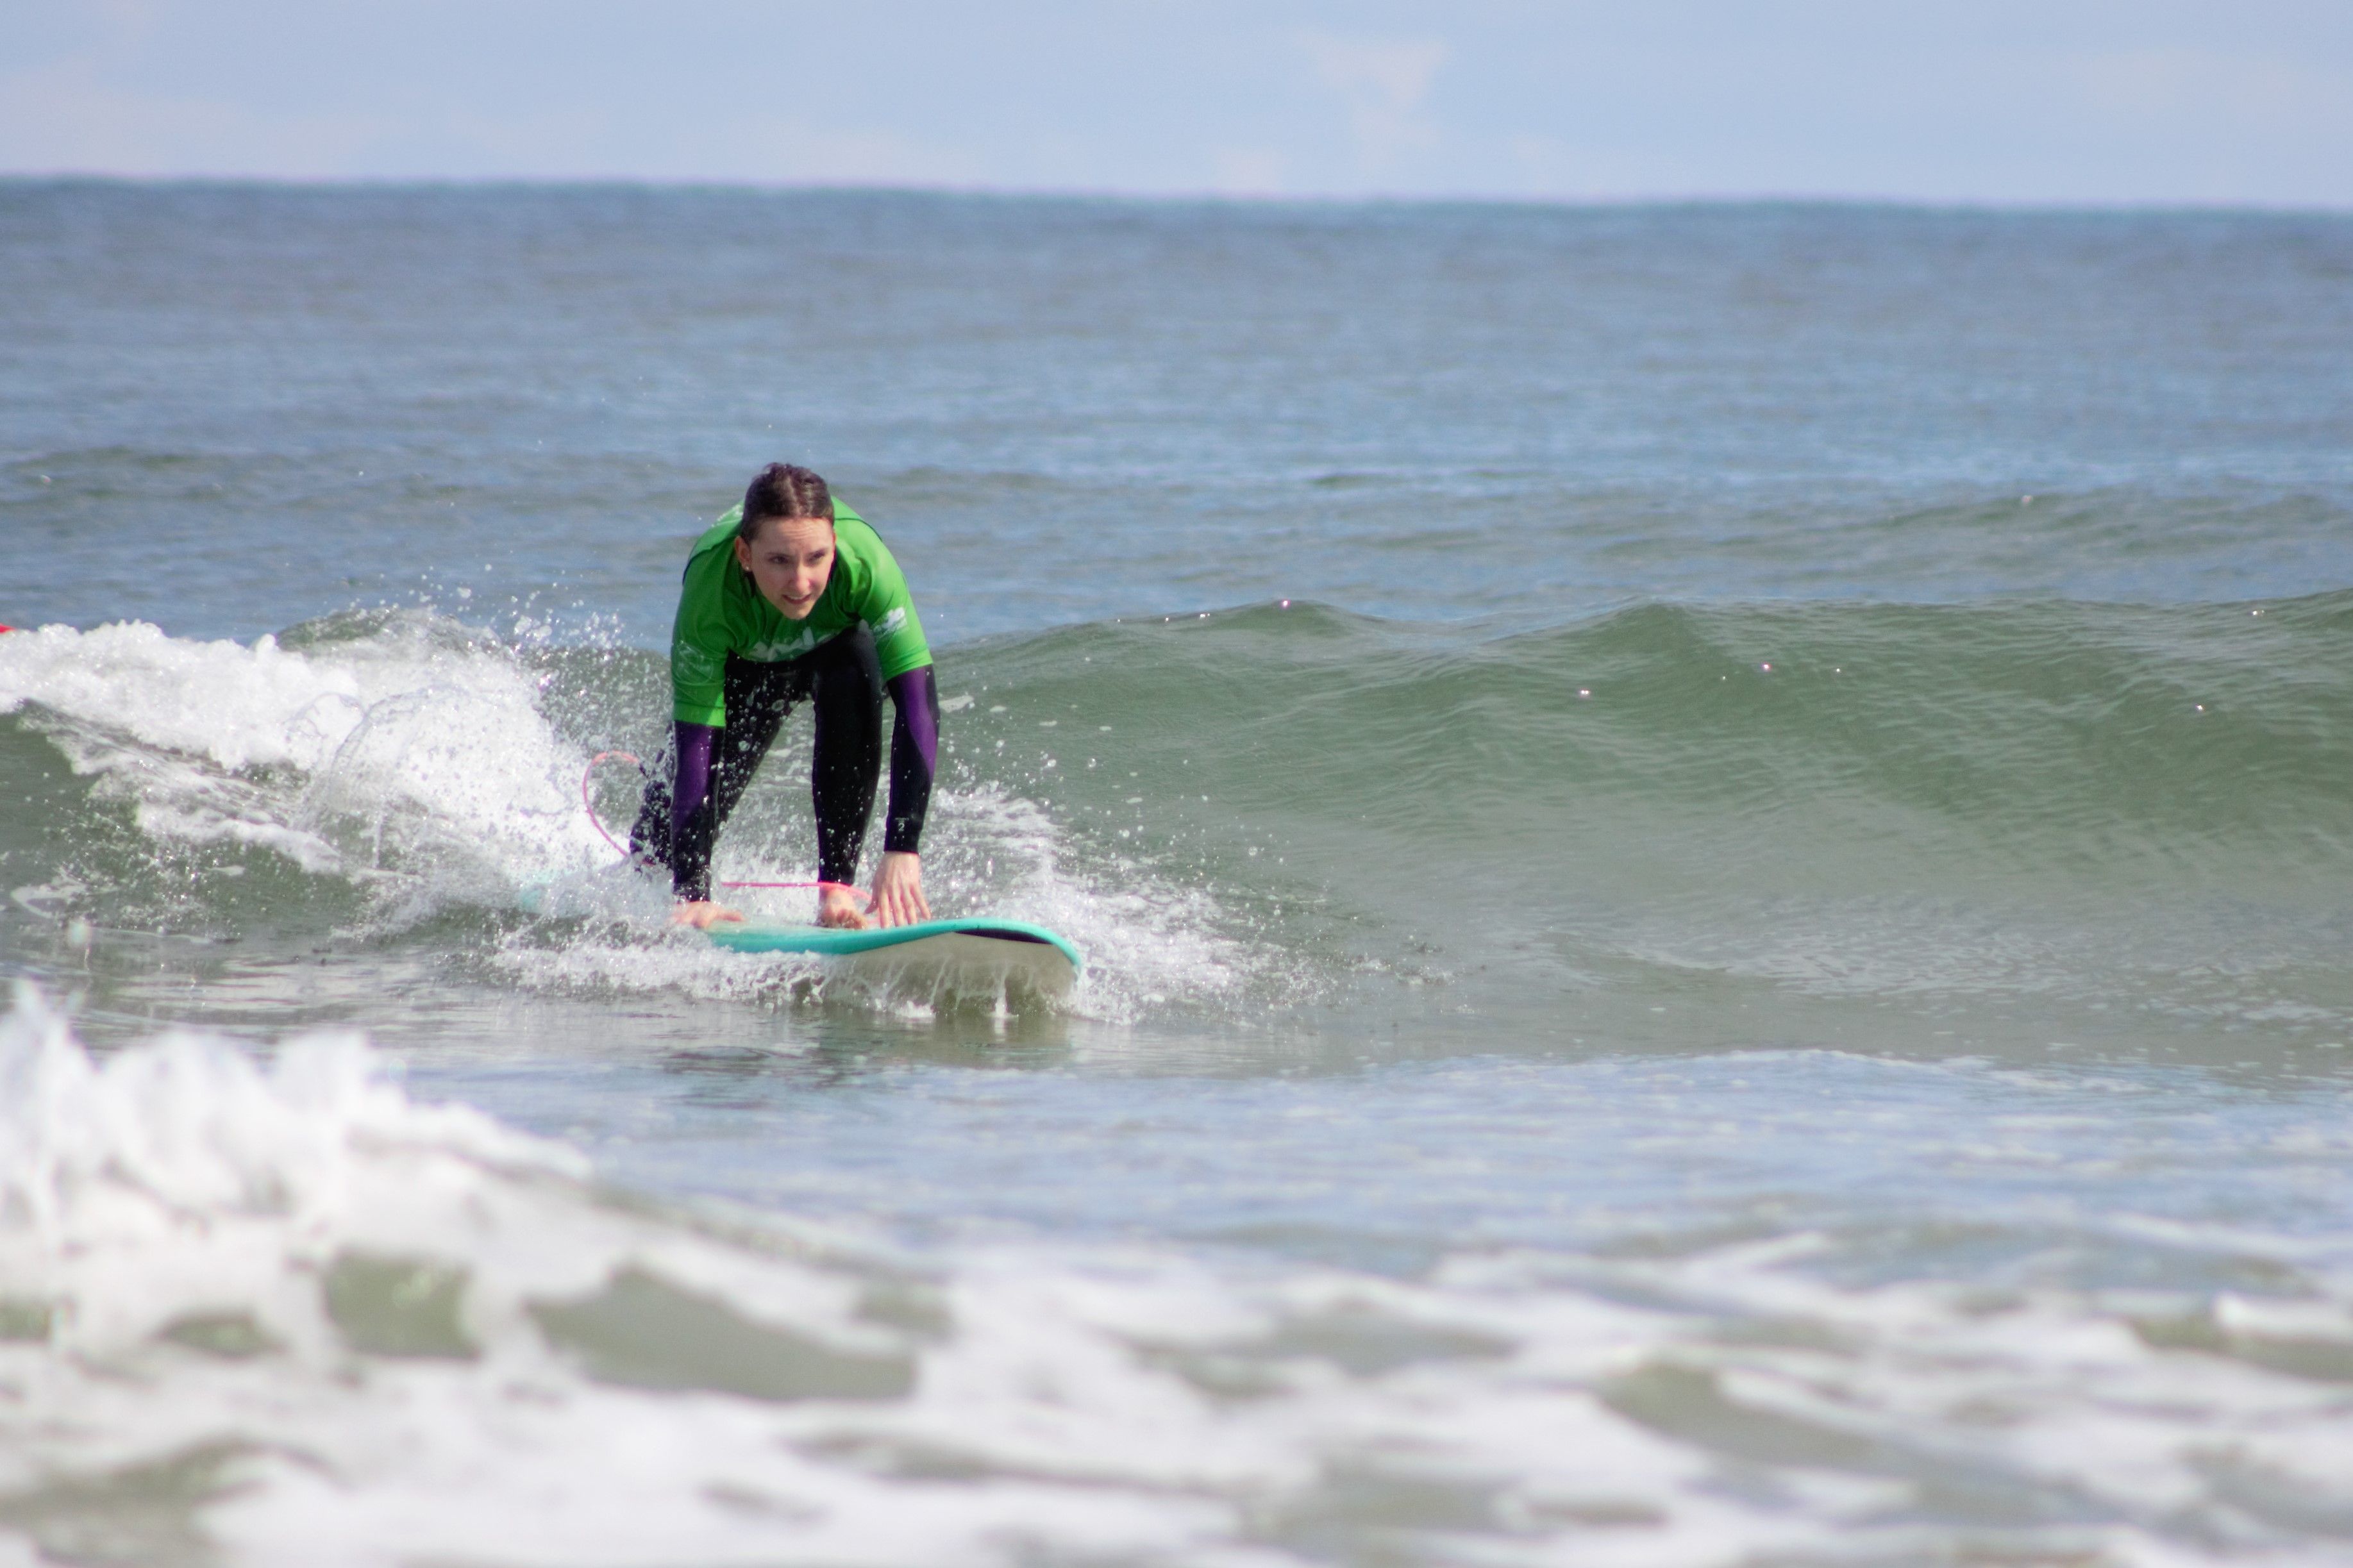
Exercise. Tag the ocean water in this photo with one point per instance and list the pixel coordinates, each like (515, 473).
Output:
(1715, 846)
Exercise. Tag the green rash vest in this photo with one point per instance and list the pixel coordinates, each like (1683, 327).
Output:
(720, 612)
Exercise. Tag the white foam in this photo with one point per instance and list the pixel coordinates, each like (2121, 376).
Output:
(393, 754)
(417, 764)
(1147, 944)
(1064, 1403)
(181, 1183)
(986, 851)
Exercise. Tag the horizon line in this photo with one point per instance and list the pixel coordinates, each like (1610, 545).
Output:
(1173, 197)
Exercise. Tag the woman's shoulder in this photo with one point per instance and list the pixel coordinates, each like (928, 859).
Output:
(720, 531)
(852, 531)
(860, 550)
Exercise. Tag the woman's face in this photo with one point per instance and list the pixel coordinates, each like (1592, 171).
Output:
(790, 560)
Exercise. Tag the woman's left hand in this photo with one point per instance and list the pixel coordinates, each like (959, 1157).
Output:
(899, 890)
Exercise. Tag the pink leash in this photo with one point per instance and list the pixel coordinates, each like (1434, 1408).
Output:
(626, 757)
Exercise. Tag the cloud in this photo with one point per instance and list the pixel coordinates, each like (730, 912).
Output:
(1386, 85)
(63, 118)
(792, 149)
(2197, 85)
(1533, 165)
(66, 117)
(1248, 172)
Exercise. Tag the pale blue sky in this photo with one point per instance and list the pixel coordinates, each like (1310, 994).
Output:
(1995, 100)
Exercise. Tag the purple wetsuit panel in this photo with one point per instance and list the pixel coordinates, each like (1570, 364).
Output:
(693, 776)
(914, 757)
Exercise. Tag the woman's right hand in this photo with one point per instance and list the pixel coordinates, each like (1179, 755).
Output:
(701, 916)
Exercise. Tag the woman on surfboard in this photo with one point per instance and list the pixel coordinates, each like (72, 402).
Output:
(789, 599)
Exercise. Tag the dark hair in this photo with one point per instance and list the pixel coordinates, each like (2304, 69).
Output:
(783, 489)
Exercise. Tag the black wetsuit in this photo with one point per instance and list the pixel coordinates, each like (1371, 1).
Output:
(708, 766)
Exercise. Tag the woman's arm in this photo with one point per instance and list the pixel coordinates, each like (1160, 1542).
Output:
(700, 639)
(914, 758)
(691, 830)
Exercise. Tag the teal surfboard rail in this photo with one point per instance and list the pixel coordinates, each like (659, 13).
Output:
(831, 941)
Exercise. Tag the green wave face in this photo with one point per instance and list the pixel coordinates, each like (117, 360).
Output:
(2025, 746)
(1780, 812)
(2096, 804)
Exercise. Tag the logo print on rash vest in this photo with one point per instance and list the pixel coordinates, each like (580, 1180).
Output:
(769, 652)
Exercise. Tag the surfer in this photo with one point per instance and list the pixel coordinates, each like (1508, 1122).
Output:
(791, 597)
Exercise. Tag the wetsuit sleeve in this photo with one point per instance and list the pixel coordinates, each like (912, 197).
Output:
(699, 641)
(914, 757)
(693, 818)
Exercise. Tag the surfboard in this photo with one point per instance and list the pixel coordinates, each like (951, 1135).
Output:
(937, 959)
(959, 955)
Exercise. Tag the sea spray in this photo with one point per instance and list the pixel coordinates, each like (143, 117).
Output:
(292, 1312)
(418, 771)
